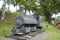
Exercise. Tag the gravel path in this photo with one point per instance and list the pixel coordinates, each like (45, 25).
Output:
(40, 36)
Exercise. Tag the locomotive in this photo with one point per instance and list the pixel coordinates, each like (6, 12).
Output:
(27, 23)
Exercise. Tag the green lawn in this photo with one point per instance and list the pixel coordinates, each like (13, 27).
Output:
(55, 32)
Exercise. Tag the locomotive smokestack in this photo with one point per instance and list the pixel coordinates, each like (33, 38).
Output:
(22, 7)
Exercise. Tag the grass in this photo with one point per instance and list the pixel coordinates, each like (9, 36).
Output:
(54, 36)
(55, 32)
(50, 27)
(9, 23)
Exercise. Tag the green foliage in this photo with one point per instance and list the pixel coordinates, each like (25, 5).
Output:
(49, 7)
(9, 23)
(50, 27)
(46, 7)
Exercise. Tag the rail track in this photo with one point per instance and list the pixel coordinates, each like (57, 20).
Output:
(24, 36)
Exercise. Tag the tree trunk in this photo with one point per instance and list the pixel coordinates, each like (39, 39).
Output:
(3, 15)
(46, 24)
(9, 2)
(8, 7)
(3, 10)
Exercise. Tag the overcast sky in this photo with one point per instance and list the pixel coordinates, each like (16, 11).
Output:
(12, 8)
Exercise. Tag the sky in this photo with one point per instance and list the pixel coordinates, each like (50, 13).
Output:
(12, 8)
(1, 2)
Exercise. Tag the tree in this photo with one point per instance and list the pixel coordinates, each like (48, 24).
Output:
(8, 2)
(29, 4)
(49, 7)
(3, 10)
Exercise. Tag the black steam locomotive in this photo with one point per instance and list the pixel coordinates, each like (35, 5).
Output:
(27, 24)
